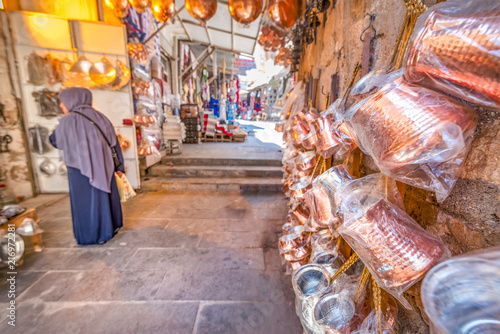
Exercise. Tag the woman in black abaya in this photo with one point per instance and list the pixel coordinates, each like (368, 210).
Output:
(95, 201)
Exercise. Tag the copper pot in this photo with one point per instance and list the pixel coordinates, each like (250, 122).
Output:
(319, 206)
(309, 141)
(286, 186)
(305, 161)
(300, 214)
(393, 245)
(163, 9)
(456, 51)
(327, 137)
(296, 265)
(298, 134)
(296, 238)
(297, 190)
(404, 124)
(287, 228)
(297, 254)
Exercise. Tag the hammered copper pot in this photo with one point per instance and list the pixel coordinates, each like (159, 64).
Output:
(300, 214)
(299, 188)
(394, 246)
(456, 51)
(305, 161)
(327, 137)
(405, 124)
(297, 254)
(319, 205)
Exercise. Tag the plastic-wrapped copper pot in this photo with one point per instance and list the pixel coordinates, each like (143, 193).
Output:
(286, 186)
(297, 254)
(300, 214)
(298, 189)
(310, 280)
(393, 246)
(456, 51)
(319, 205)
(309, 141)
(405, 124)
(295, 265)
(296, 238)
(305, 161)
(297, 175)
(298, 134)
(327, 137)
(287, 228)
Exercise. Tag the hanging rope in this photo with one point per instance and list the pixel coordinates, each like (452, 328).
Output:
(363, 282)
(377, 299)
(354, 257)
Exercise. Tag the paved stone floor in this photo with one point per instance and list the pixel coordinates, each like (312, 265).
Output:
(202, 263)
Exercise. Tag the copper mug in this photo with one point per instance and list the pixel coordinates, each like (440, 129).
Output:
(297, 254)
(319, 206)
(298, 189)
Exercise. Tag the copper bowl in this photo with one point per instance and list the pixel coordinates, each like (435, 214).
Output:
(393, 245)
(305, 161)
(456, 51)
(327, 137)
(405, 124)
(298, 253)
(300, 214)
(298, 189)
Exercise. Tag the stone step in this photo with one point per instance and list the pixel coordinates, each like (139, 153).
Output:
(215, 171)
(265, 184)
(180, 161)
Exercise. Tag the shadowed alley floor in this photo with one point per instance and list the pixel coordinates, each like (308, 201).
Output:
(183, 263)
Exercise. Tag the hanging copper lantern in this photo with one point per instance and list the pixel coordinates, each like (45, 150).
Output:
(119, 7)
(163, 9)
(202, 10)
(245, 11)
(285, 12)
(140, 5)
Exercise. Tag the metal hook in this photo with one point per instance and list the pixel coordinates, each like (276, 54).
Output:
(372, 18)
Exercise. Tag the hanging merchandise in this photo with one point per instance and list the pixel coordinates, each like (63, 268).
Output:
(47, 167)
(36, 69)
(140, 5)
(245, 11)
(415, 135)
(285, 12)
(52, 70)
(102, 73)
(64, 68)
(139, 53)
(122, 76)
(119, 7)
(456, 51)
(462, 295)
(202, 10)
(79, 73)
(395, 249)
(124, 144)
(48, 103)
(39, 139)
(163, 9)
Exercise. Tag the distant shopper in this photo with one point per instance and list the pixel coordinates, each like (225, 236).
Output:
(94, 197)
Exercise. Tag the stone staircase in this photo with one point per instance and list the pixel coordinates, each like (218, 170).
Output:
(206, 174)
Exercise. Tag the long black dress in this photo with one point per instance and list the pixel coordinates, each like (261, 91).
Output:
(97, 215)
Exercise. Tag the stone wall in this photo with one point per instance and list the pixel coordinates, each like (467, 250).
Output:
(469, 218)
(14, 166)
